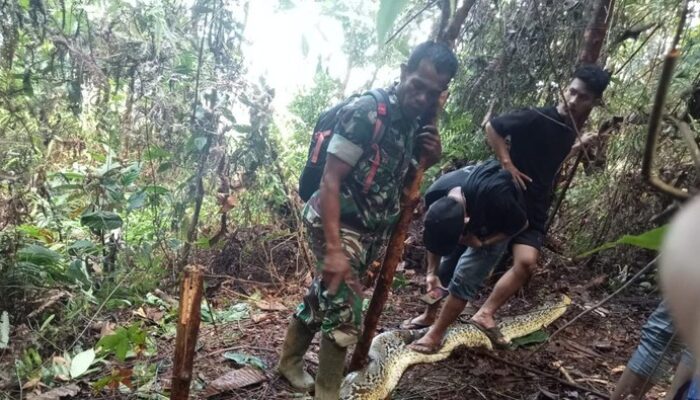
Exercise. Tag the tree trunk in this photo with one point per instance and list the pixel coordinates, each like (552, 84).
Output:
(451, 33)
(596, 31)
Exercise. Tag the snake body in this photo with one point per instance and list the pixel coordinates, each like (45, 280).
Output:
(390, 356)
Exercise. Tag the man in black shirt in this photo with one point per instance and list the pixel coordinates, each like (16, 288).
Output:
(541, 139)
(471, 214)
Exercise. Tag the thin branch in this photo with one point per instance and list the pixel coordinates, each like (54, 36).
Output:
(409, 20)
(600, 303)
(571, 384)
(455, 26)
(99, 309)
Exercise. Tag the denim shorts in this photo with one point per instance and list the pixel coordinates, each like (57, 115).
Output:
(471, 266)
(658, 347)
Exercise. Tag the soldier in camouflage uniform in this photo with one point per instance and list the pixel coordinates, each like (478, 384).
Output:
(348, 221)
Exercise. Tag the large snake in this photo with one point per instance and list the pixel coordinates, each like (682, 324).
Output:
(390, 356)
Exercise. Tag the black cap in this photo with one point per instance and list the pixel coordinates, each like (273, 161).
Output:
(444, 224)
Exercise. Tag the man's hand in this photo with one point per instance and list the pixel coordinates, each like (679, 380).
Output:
(336, 269)
(471, 240)
(431, 147)
(518, 176)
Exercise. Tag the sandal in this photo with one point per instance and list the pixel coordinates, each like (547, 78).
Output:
(424, 348)
(410, 325)
(435, 296)
(494, 334)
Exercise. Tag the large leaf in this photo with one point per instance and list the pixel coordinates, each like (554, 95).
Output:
(38, 255)
(101, 220)
(118, 343)
(80, 247)
(245, 359)
(389, 10)
(81, 363)
(648, 240)
(136, 200)
(539, 336)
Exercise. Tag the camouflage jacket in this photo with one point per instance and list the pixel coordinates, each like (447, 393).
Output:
(378, 209)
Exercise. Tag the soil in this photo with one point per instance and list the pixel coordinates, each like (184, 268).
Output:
(591, 353)
(265, 270)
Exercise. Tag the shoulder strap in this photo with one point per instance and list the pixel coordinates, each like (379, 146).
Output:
(379, 127)
(382, 99)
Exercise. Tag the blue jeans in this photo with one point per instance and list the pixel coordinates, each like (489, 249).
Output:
(658, 346)
(464, 271)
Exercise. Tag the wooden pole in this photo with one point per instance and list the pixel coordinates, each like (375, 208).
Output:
(394, 253)
(187, 329)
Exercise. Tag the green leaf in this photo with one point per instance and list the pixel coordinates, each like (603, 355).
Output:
(236, 312)
(81, 363)
(24, 4)
(155, 153)
(118, 343)
(539, 336)
(157, 190)
(136, 200)
(245, 359)
(38, 255)
(650, 240)
(203, 243)
(130, 174)
(4, 330)
(164, 166)
(46, 322)
(389, 10)
(200, 142)
(101, 220)
(242, 128)
(80, 247)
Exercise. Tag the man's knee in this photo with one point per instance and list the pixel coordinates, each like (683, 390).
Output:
(525, 267)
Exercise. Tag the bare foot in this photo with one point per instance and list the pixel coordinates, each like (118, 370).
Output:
(428, 344)
(484, 319)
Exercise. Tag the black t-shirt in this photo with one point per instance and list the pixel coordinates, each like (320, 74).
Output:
(540, 141)
(494, 203)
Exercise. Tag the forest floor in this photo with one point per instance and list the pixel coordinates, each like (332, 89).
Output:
(236, 355)
(591, 353)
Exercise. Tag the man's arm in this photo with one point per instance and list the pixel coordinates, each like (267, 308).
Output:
(431, 279)
(498, 144)
(500, 236)
(500, 147)
(581, 144)
(336, 265)
(495, 238)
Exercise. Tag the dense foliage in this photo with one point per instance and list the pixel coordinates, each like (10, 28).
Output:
(133, 140)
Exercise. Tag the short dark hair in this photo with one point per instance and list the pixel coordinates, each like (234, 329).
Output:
(442, 57)
(595, 78)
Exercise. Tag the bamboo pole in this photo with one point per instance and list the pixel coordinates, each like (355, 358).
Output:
(187, 330)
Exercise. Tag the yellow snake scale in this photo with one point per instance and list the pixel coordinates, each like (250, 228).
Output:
(389, 355)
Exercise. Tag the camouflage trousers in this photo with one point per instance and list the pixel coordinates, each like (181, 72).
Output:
(337, 316)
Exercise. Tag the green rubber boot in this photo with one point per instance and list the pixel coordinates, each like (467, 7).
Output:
(331, 362)
(291, 364)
